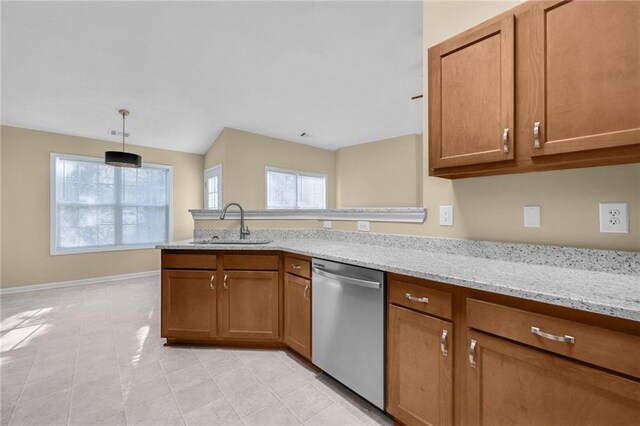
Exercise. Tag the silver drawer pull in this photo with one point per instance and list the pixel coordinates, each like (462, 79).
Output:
(472, 351)
(296, 267)
(306, 294)
(536, 135)
(224, 283)
(443, 343)
(565, 339)
(212, 281)
(505, 140)
(408, 296)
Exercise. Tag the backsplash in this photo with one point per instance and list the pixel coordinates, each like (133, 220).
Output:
(619, 262)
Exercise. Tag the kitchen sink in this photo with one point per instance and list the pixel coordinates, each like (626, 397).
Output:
(223, 241)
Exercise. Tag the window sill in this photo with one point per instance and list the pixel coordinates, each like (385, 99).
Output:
(391, 214)
(85, 250)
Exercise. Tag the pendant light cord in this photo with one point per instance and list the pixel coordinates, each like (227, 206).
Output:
(123, 118)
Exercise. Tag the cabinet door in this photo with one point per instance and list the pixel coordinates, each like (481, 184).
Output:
(419, 362)
(587, 70)
(188, 304)
(512, 384)
(297, 314)
(249, 305)
(471, 97)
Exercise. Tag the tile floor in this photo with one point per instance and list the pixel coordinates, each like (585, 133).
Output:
(93, 355)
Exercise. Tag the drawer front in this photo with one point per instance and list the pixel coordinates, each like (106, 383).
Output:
(189, 261)
(249, 262)
(420, 298)
(605, 348)
(297, 266)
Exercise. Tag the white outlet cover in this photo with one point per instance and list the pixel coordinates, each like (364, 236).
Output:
(614, 218)
(532, 216)
(446, 215)
(363, 225)
(326, 224)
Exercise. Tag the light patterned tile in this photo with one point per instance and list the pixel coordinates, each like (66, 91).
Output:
(283, 384)
(307, 402)
(251, 399)
(275, 414)
(187, 377)
(163, 411)
(236, 380)
(333, 415)
(198, 395)
(48, 410)
(223, 364)
(218, 412)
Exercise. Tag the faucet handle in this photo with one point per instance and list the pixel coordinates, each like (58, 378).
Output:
(245, 230)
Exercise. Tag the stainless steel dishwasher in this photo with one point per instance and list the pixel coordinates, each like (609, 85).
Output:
(348, 326)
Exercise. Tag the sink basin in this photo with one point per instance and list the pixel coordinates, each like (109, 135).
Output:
(232, 241)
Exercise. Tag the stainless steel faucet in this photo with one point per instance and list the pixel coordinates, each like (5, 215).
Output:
(244, 231)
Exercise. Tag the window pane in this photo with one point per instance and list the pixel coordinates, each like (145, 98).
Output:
(311, 192)
(212, 193)
(101, 205)
(281, 190)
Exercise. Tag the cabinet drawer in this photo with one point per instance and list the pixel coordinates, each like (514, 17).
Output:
(598, 346)
(257, 262)
(189, 261)
(420, 298)
(297, 266)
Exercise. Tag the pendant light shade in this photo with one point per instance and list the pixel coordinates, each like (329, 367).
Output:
(122, 158)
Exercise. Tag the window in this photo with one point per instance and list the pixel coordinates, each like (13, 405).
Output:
(287, 189)
(213, 187)
(97, 207)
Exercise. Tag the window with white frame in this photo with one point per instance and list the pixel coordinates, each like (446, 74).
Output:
(213, 187)
(288, 189)
(97, 207)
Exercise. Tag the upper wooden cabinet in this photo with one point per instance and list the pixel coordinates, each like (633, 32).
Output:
(471, 97)
(587, 56)
(562, 76)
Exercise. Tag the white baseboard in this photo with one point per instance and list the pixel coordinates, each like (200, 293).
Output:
(86, 281)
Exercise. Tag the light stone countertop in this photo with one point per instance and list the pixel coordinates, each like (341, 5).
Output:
(612, 294)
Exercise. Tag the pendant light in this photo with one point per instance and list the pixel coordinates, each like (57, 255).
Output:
(122, 158)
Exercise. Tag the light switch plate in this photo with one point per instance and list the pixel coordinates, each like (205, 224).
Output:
(532, 216)
(614, 218)
(363, 225)
(446, 215)
(326, 224)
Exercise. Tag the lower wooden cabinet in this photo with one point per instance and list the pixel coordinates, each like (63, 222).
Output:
(419, 368)
(297, 314)
(249, 305)
(511, 384)
(188, 304)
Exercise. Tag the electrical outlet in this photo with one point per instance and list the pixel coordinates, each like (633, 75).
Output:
(446, 215)
(326, 224)
(532, 216)
(614, 218)
(363, 225)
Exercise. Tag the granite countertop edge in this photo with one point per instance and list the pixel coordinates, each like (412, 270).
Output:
(610, 294)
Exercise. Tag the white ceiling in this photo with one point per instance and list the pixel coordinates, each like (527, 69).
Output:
(342, 71)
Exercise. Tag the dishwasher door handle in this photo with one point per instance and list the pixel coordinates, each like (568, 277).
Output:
(347, 280)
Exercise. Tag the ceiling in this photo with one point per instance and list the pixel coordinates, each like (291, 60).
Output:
(343, 72)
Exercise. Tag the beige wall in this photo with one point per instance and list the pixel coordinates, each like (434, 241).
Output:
(491, 208)
(245, 155)
(386, 173)
(26, 208)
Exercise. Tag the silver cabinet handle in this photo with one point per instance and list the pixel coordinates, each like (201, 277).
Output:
(505, 140)
(212, 281)
(472, 351)
(306, 294)
(536, 135)
(443, 343)
(224, 283)
(564, 339)
(296, 267)
(408, 296)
